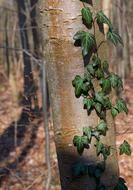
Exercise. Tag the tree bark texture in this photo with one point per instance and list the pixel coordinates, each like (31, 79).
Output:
(60, 21)
(122, 14)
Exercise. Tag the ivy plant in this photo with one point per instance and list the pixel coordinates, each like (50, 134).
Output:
(98, 100)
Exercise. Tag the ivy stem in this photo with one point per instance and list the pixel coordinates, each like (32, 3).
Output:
(84, 4)
(102, 42)
(95, 35)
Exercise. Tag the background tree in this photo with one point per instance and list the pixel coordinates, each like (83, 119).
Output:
(122, 10)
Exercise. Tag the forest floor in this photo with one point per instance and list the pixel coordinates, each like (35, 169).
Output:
(22, 149)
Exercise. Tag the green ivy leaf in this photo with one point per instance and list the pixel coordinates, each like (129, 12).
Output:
(105, 66)
(87, 15)
(87, 77)
(96, 134)
(96, 61)
(80, 142)
(102, 127)
(106, 151)
(99, 97)
(85, 88)
(90, 69)
(79, 35)
(78, 84)
(116, 81)
(87, 131)
(121, 185)
(125, 148)
(87, 41)
(106, 85)
(114, 112)
(101, 187)
(107, 103)
(99, 147)
(121, 105)
(98, 173)
(102, 19)
(102, 149)
(88, 104)
(114, 37)
(99, 169)
(101, 166)
(102, 114)
(99, 73)
(98, 107)
(79, 169)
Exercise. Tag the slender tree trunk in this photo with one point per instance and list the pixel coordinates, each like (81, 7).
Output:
(122, 19)
(34, 25)
(28, 77)
(60, 21)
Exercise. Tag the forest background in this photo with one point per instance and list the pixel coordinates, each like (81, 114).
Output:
(22, 132)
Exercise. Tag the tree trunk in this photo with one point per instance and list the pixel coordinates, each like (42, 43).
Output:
(122, 19)
(60, 21)
(28, 77)
(34, 25)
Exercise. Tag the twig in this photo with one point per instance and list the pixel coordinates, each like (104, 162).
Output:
(17, 177)
(34, 182)
(37, 61)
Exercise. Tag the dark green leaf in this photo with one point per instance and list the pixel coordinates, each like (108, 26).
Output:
(125, 148)
(102, 114)
(101, 187)
(79, 169)
(79, 35)
(102, 127)
(107, 103)
(114, 112)
(99, 73)
(121, 105)
(98, 173)
(102, 149)
(116, 81)
(76, 170)
(105, 66)
(80, 142)
(88, 104)
(87, 41)
(106, 151)
(87, 131)
(90, 69)
(85, 88)
(122, 180)
(102, 19)
(114, 37)
(96, 61)
(87, 15)
(96, 134)
(121, 185)
(98, 107)
(99, 147)
(106, 85)
(101, 166)
(99, 97)
(87, 77)
(78, 84)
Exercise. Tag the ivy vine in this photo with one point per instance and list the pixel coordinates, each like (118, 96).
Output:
(98, 100)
